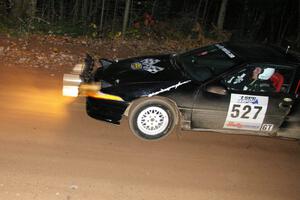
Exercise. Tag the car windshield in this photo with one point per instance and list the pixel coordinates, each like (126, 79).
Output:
(204, 63)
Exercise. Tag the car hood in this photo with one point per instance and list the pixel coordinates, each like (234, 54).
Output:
(140, 69)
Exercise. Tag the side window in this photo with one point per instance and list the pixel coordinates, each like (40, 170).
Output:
(260, 78)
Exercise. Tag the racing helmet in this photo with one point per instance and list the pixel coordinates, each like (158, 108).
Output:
(266, 74)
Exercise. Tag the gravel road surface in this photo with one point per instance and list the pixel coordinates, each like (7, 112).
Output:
(50, 149)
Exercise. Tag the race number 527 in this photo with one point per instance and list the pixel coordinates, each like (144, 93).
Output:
(245, 111)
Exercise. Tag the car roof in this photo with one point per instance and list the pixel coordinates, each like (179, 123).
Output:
(261, 53)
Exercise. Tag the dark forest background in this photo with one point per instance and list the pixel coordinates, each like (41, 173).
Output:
(269, 21)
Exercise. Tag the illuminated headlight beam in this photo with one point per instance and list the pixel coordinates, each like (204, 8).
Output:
(70, 91)
(71, 84)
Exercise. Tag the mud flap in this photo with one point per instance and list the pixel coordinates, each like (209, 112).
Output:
(291, 127)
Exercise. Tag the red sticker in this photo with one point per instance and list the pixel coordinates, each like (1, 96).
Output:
(203, 53)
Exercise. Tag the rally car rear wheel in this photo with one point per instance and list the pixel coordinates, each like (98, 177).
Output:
(152, 119)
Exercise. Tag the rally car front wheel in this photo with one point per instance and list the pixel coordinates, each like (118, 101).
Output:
(152, 118)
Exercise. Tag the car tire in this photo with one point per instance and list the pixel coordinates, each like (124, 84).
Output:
(153, 118)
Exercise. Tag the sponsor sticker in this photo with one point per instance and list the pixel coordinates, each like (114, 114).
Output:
(234, 125)
(246, 112)
(267, 127)
(136, 66)
(148, 65)
(226, 51)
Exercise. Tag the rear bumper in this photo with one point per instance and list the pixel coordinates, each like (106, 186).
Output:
(105, 110)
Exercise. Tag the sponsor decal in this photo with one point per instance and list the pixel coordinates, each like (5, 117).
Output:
(169, 88)
(228, 53)
(248, 99)
(267, 127)
(233, 124)
(238, 125)
(148, 65)
(136, 66)
(246, 112)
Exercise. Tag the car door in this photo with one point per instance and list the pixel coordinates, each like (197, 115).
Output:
(243, 110)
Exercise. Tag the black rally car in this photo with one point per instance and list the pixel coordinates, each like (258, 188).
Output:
(226, 87)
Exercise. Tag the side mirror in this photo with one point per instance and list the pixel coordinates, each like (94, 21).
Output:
(216, 89)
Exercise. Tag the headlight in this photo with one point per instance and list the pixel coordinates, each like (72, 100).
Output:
(71, 83)
(70, 91)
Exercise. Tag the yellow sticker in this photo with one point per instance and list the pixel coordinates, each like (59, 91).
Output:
(136, 66)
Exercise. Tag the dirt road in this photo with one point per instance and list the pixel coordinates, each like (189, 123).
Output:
(50, 149)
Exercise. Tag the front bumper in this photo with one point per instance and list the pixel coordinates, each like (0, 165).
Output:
(105, 110)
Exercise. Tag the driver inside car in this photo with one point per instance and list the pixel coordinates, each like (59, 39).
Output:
(256, 79)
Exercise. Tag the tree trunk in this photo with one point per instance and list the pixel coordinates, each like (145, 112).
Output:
(53, 11)
(126, 14)
(207, 12)
(281, 26)
(131, 10)
(61, 10)
(47, 10)
(43, 9)
(244, 18)
(22, 8)
(185, 6)
(153, 7)
(114, 16)
(2, 9)
(198, 11)
(75, 11)
(95, 11)
(90, 12)
(31, 8)
(298, 38)
(222, 14)
(102, 16)
(107, 14)
(205, 9)
(16, 9)
(84, 11)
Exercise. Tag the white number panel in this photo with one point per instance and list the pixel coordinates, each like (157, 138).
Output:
(246, 112)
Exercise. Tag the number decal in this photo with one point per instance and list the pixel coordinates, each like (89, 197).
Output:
(246, 112)
(235, 111)
(259, 108)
